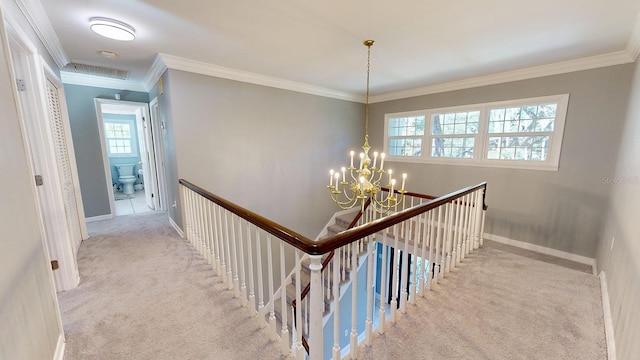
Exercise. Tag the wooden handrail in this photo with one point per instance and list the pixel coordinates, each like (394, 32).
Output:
(333, 242)
(353, 233)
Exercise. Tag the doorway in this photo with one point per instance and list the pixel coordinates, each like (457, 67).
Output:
(129, 156)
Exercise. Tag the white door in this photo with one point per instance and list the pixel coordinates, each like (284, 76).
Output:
(37, 131)
(156, 132)
(65, 158)
(147, 156)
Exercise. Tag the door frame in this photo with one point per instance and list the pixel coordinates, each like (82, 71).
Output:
(34, 118)
(147, 151)
(157, 127)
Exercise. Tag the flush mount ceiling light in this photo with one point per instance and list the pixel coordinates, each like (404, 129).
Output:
(113, 29)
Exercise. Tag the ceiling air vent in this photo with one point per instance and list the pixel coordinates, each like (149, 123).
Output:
(96, 71)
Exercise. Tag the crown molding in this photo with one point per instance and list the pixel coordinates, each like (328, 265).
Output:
(37, 18)
(563, 67)
(155, 71)
(99, 81)
(198, 67)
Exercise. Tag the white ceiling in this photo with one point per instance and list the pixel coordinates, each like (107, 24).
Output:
(418, 42)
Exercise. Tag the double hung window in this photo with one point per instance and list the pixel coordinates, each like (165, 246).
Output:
(120, 138)
(524, 133)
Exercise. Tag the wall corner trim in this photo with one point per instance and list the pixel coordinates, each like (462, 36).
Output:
(59, 354)
(155, 71)
(176, 227)
(608, 321)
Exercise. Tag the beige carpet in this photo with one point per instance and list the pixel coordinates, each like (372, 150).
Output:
(502, 303)
(144, 294)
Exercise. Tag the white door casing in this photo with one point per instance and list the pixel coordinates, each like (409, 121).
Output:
(158, 143)
(29, 74)
(145, 143)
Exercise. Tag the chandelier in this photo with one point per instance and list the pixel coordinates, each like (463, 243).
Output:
(364, 181)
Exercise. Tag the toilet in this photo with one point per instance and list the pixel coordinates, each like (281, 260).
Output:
(126, 177)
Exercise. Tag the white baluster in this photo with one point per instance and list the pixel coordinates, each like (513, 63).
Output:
(431, 228)
(478, 219)
(252, 290)
(207, 211)
(234, 258)
(223, 246)
(353, 349)
(371, 259)
(417, 236)
(243, 276)
(315, 309)
(393, 267)
(260, 277)
(216, 238)
(272, 312)
(383, 284)
(229, 241)
(299, 349)
(405, 267)
(443, 253)
(436, 270)
(457, 246)
(468, 237)
(336, 304)
(284, 336)
(423, 255)
(449, 241)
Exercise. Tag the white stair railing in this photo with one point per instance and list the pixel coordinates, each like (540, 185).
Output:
(441, 232)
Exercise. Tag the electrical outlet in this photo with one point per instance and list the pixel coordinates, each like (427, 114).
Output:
(175, 204)
(346, 333)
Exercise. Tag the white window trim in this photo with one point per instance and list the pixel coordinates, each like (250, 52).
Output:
(480, 148)
(134, 142)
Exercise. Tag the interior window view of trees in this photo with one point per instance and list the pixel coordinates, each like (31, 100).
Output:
(491, 134)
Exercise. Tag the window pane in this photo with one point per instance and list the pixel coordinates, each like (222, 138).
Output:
(406, 126)
(455, 123)
(528, 148)
(448, 147)
(405, 146)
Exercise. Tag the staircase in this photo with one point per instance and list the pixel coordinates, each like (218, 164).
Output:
(341, 223)
(240, 244)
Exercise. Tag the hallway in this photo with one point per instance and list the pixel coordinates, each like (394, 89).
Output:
(145, 294)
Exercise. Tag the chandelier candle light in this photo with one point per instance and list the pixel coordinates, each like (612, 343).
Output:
(366, 178)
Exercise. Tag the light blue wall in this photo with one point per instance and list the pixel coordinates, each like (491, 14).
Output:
(119, 160)
(86, 142)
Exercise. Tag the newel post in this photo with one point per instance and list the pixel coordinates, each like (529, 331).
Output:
(316, 307)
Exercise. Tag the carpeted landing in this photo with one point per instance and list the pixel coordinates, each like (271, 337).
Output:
(145, 294)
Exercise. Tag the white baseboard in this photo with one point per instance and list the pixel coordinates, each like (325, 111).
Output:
(99, 217)
(176, 227)
(59, 354)
(608, 321)
(543, 250)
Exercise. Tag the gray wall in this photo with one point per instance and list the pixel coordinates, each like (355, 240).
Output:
(30, 326)
(563, 210)
(266, 149)
(86, 142)
(620, 258)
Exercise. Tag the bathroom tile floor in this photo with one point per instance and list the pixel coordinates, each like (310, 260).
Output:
(132, 206)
